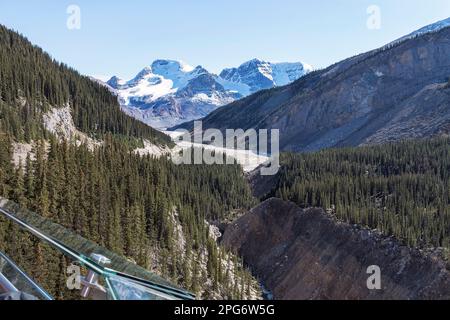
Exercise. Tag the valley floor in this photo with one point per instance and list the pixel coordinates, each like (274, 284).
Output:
(246, 158)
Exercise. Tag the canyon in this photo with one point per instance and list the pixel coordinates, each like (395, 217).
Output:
(309, 254)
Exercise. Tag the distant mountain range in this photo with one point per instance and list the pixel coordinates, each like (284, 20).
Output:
(400, 91)
(171, 92)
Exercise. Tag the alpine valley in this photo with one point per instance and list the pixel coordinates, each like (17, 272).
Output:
(364, 182)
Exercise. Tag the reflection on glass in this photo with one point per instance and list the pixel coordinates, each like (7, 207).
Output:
(124, 281)
(122, 289)
(14, 281)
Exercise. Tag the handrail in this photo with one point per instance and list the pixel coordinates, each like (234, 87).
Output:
(6, 285)
(97, 268)
(62, 247)
(159, 287)
(23, 274)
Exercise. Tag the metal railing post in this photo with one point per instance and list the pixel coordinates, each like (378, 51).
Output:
(90, 282)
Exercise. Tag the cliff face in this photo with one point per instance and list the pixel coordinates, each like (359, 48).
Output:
(305, 254)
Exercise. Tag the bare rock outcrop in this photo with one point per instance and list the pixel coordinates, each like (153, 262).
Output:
(307, 254)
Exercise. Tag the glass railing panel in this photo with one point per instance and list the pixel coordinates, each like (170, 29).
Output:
(13, 280)
(160, 292)
(78, 243)
(105, 274)
(123, 289)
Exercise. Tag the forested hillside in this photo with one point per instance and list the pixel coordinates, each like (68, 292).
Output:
(401, 189)
(31, 82)
(146, 209)
(131, 205)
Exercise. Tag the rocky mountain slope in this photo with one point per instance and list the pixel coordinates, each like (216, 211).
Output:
(396, 92)
(307, 254)
(171, 92)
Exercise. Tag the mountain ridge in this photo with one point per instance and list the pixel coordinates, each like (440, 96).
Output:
(170, 92)
(351, 102)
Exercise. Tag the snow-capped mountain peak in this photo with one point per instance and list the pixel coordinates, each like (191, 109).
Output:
(257, 74)
(163, 67)
(115, 82)
(169, 92)
(287, 72)
(144, 74)
(261, 66)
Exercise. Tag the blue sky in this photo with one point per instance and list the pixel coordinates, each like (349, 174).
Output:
(121, 37)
